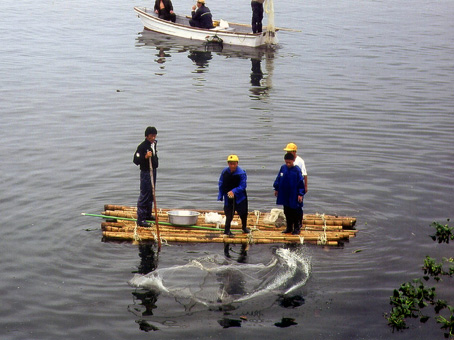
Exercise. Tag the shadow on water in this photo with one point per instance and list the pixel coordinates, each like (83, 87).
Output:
(144, 299)
(202, 53)
(232, 283)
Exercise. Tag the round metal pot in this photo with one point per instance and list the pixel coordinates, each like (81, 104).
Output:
(183, 217)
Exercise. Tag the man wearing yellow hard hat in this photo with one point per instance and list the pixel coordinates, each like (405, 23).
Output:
(289, 192)
(292, 148)
(232, 190)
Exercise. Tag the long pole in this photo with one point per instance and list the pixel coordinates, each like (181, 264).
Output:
(154, 203)
(162, 223)
(247, 25)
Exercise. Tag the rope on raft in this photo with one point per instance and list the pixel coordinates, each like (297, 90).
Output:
(163, 240)
(322, 239)
(137, 238)
(257, 214)
(250, 238)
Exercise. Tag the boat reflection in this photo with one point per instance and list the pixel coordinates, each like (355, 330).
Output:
(202, 54)
(200, 58)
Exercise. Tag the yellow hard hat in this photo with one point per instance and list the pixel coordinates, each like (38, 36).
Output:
(232, 158)
(291, 147)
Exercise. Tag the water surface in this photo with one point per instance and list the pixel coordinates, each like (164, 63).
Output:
(365, 91)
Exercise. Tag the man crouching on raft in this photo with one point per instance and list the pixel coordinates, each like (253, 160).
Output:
(232, 189)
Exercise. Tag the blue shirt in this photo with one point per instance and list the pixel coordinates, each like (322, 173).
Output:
(235, 182)
(289, 184)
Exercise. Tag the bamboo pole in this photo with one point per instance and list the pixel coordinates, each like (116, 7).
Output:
(168, 226)
(260, 227)
(235, 228)
(119, 236)
(345, 221)
(247, 25)
(332, 222)
(200, 236)
(155, 205)
(134, 219)
(176, 232)
(332, 228)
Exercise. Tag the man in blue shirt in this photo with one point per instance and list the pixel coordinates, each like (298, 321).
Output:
(232, 190)
(289, 190)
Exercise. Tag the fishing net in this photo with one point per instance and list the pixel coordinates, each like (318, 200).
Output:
(215, 281)
(270, 28)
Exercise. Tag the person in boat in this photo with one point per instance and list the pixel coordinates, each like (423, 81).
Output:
(201, 16)
(164, 9)
(145, 151)
(232, 190)
(292, 148)
(257, 15)
(289, 190)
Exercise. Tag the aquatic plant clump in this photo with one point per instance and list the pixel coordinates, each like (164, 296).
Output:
(412, 297)
(443, 233)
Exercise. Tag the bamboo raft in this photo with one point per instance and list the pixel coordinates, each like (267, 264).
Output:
(318, 229)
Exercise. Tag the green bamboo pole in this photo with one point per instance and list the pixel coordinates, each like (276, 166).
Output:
(134, 220)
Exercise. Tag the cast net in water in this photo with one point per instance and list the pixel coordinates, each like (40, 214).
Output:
(270, 28)
(214, 281)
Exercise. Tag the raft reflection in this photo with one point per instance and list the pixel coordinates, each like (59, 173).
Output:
(144, 299)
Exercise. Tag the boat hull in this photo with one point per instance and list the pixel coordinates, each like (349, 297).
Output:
(235, 34)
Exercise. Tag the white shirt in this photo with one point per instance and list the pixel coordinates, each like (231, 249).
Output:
(300, 162)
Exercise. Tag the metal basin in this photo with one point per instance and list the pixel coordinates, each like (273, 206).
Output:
(183, 217)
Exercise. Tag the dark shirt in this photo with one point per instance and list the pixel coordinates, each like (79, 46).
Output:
(202, 18)
(167, 5)
(139, 155)
(289, 184)
(235, 182)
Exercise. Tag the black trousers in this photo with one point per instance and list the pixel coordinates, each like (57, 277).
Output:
(257, 16)
(145, 201)
(294, 218)
(164, 14)
(229, 211)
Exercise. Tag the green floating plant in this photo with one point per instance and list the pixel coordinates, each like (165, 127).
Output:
(407, 301)
(443, 233)
(411, 297)
(447, 324)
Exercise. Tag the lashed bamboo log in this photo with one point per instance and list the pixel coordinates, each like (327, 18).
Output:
(171, 228)
(346, 221)
(316, 227)
(256, 237)
(187, 239)
(328, 220)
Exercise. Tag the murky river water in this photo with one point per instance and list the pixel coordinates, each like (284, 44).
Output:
(365, 90)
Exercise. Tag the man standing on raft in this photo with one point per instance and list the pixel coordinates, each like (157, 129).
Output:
(145, 151)
(232, 190)
(289, 190)
(292, 148)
